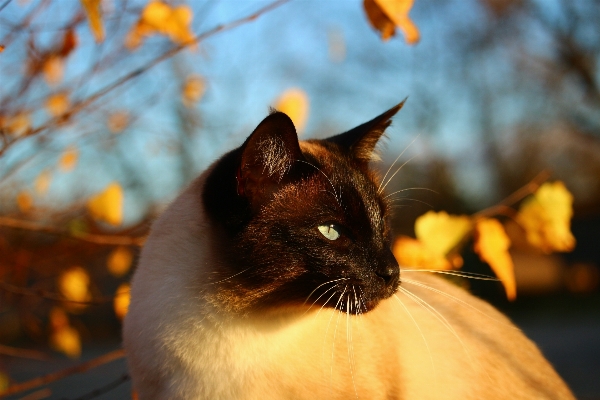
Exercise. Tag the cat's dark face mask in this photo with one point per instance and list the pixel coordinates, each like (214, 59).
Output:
(302, 224)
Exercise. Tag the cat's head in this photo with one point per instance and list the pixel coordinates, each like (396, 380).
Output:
(301, 222)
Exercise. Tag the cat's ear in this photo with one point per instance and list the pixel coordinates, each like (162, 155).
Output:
(360, 142)
(268, 156)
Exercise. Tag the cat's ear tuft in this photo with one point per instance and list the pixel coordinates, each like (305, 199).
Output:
(360, 142)
(267, 157)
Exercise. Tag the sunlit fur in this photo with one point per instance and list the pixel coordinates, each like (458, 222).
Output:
(199, 327)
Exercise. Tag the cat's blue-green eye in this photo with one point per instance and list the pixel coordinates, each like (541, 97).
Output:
(329, 231)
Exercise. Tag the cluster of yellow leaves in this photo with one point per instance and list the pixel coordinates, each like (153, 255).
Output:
(193, 90)
(64, 337)
(545, 216)
(387, 15)
(58, 104)
(74, 284)
(107, 206)
(160, 18)
(17, 125)
(121, 300)
(294, 103)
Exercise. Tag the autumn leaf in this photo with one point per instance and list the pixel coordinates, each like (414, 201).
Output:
(64, 337)
(93, 11)
(411, 252)
(42, 182)
(386, 15)
(19, 124)
(546, 218)
(121, 300)
(107, 206)
(294, 103)
(161, 18)
(119, 261)
(68, 159)
(118, 121)
(193, 89)
(53, 70)
(74, 284)
(441, 232)
(24, 202)
(492, 245)
(58, 104)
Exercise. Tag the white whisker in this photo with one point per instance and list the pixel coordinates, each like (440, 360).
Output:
(394, 174)
(335, 194)
(404, 190)
(380, 189)
(463, 274)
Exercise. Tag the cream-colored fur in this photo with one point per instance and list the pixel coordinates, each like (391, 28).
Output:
(181, 346)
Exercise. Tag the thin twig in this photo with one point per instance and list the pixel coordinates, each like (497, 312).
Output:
(7, 287)
(23, 353)
(515, 197)
(106, 388)
(55, 376)
(87, 237)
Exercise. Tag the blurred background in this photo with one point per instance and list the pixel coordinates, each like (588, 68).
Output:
(101, 128)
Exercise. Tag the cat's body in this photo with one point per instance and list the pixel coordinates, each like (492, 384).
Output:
(200, 326)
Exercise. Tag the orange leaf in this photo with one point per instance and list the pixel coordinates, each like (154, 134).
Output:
(161, 18)
(119, 261)
(385, 15)
(414, 253)
(19, 124)
(546, 218)
(441, 232)
(42, 182)
(107, 206)
(118, 121)
(193, 89)
(492, 245)
(68, 160)
(64, 337)
(24, 202)
(53, 69)
(93, 10)
(121, 300)
(294, 103)
(74, 284)
(58, 104)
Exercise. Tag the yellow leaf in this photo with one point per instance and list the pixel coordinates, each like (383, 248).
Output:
(19, 124)
(24, 202)
(414, 253)
(67, 341)
(294, 103)
(68, 160)
(119, 261)
(53, 69)
(74, 284)
(441, 232)
(121, 300)
(161, 18)
(492, 245)
(118, 121)
(107, 206)
(2, 47)
(93, 11)
(4, 379)
(193, 89)
(58, 104)
(546, 218)
(384, 15)
(42, 182)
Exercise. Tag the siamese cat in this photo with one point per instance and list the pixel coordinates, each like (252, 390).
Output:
(271, 277)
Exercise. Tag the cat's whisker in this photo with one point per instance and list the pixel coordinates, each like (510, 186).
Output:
(322, 294)
(462, 274)
(322, 284)
(326, 302)
(349, 344)
(335, 332)
(438, 316)
(394, 174)
(232, 276)
(415, 200)
(404, 190)
(422, 335)
(380, 189)
(337, 198)
(453, 298)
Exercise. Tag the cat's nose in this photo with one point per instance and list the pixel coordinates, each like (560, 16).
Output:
(389, 270)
